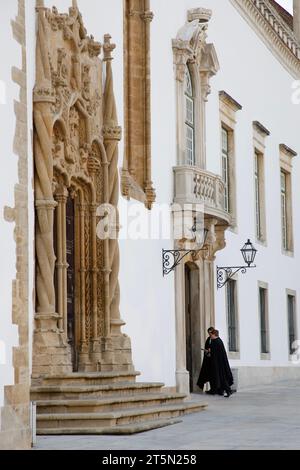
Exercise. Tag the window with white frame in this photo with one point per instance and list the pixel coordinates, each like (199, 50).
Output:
(263, 311)
(284, 223)
(232, 316)
(257, 195)
(189, 119)
(260, 133)
(291, 322)
(286, 169)
(228, 118)
(225, 167)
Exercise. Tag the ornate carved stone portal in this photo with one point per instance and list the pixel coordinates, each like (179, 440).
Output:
(76, 134)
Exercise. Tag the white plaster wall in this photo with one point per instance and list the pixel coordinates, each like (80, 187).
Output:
(10, 56)
(251, 75)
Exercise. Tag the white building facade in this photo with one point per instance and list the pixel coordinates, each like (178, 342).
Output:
(224, 98)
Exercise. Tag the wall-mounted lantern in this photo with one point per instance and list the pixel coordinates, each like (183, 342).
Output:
(224, 273)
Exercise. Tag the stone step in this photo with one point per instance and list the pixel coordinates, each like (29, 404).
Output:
(117, 418)
(114, 430)
(57, 392)
(90, 378)
(107, 404)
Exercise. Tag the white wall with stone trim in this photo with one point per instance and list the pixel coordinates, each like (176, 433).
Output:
(30, 40)
(255, 78)
(10, 56)
(252, 76)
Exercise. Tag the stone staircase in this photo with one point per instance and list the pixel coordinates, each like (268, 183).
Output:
(106, 403)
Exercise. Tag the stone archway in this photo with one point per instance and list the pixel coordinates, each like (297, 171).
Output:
(76, 135)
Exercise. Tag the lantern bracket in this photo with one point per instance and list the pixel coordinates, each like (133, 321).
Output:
(225, 273)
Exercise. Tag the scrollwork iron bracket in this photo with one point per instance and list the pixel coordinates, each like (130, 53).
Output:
(225, 273)
(172, 258)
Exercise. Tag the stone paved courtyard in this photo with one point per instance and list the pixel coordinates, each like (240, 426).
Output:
(267, 417)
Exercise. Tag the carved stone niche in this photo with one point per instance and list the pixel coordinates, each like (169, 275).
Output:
(136, 172)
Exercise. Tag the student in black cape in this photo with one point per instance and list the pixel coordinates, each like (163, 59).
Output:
(205, 372)
(221, 375)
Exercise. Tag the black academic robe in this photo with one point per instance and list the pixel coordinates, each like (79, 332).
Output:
(221, 375)
(205, 372)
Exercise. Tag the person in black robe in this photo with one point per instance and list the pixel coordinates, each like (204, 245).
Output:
(205, 372)
(221, 375)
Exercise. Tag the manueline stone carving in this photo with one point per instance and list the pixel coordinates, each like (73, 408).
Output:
(76, 137)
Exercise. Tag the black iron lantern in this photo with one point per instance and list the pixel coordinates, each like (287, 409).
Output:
(225, 273)
(248, 252)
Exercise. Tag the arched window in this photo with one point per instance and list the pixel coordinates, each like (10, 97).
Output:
(189, 119)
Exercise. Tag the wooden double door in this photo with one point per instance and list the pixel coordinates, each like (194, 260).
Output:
(65, 272)
(70, 256)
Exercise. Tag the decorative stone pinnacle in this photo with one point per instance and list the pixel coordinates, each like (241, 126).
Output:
(39, 5)
(74, 4)
(203, 15)
(108, 47)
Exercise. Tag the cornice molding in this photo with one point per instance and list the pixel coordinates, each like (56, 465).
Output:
(226, 98)
(287, 151)
(273, 31)
(261, 128)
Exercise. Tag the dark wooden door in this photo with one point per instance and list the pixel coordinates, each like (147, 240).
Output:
(70, 235)
(188, 325)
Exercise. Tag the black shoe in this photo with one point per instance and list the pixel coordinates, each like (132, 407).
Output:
(210, 392)
(227, 394)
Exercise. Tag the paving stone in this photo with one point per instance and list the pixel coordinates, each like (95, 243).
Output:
(267, 417)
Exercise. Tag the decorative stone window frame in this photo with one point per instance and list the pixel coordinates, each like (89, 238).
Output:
(235, 355)
(228, 110)
(136, 173)
(265, 286)
(293, 293)
(286, 165)
(259, 145)
(191, 50)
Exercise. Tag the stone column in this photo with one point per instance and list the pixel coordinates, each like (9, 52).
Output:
(180, 63)
(61, 263)
(182, 375)
(50, 354)
(119, 342)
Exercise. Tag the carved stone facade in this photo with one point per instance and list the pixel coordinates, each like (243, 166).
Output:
(76, 135)
(136, 171)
